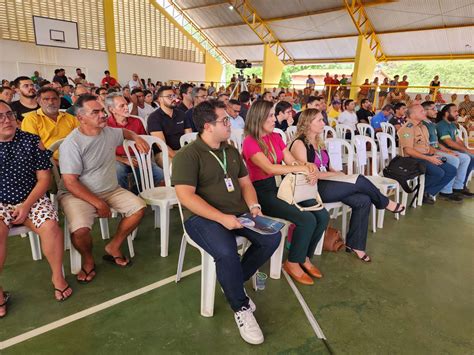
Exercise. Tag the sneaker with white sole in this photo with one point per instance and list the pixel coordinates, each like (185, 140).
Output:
(248, 327)
(252, 305)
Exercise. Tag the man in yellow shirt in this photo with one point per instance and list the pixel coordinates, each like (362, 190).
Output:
(334, 111)
(47, 122)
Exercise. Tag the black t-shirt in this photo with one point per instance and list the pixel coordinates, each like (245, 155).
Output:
(283, 125)
(65, 104)
(19, 109)
(182, 107)
(363, 115)
(397, 120)
(172, 127)
(189, 117)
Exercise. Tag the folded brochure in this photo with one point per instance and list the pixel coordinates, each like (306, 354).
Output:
(260, 224)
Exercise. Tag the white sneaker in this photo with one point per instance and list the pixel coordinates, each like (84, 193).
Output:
(248, 327)
(252, 305)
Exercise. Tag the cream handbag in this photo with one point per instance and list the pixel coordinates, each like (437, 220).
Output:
(294, 188)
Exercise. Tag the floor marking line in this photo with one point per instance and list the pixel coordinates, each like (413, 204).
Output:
(89, 311)
(312, 320)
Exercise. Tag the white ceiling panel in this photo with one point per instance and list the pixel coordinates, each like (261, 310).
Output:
(232, 35)
(214, 16)
(279, 8)
(322, 49)
(251, 53)
(184, 4)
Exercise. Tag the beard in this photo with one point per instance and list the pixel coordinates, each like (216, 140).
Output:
(451, 118)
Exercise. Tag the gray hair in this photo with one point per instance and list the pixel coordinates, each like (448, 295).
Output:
(110, 99)
(196, 90)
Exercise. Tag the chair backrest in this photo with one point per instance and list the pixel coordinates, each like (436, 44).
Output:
(342, 129)
(340, 152)
(144, 162)
(290, 133)
(327, 130)
(332, 121)
(144, 123)
(187, 138)
(362, 158)
(388, 128)
(365, 128)
(463, 135)
(237, 138)
(281, 133)
(54, 147)
(388, 148)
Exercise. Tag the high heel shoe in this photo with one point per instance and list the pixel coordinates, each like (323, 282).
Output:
(364, 258)
(399, 208)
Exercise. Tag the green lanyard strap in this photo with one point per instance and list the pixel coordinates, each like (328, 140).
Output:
(222, 164)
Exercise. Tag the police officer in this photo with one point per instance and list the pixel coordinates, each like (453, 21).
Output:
(414, 142)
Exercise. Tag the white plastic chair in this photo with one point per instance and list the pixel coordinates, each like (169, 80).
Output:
(160, 198)
(187, 138)
(343, 129)
(464, 136)
(389, 128)
(237, 138)
(33, 237)
(290, 133)
(365, 128)
(327, 130)
(385, 185)
(281, 133)
(144, 122)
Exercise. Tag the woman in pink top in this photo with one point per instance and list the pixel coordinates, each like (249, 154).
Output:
(264, 152)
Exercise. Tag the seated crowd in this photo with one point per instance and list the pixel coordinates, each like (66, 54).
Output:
(212, 179)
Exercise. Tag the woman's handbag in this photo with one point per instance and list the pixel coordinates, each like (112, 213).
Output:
(333, 240)
(294, 188)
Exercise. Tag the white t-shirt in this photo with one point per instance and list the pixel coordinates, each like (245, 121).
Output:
(348, 118)
(132, 84)
(143, 112)
(237, 122)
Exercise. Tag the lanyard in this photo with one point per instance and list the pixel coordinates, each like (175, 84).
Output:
(222, 164)
(273, 152)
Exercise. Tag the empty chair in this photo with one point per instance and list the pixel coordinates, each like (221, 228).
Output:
(342, 130)
(328, 130)
(366, 130)
(187, 138)
(389, 128)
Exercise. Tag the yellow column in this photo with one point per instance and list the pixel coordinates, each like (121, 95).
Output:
(213, 70)
(110, 37)
(272, 68)
(364, 65)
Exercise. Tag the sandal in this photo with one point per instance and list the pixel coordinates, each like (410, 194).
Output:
(85, 280)
(63, 297)
(364, 257)
(113, 260)
(398, 209)
(6, 298)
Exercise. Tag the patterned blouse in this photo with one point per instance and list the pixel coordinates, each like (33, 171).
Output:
(20, 158)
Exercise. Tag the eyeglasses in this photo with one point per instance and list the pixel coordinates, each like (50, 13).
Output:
(7, 116)
(169, 97)
(225, 121)
(202, 96)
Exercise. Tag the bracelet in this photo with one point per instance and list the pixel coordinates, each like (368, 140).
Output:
(255, 205)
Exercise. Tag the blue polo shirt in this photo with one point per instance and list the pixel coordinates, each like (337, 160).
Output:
(378, 119)
(446, 130)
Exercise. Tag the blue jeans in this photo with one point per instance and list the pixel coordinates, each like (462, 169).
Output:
(220, 243)
(461, 163)
(123, 170)
(437, 176)
(360, 197)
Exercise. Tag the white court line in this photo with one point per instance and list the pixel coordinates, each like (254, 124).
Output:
(89, 311)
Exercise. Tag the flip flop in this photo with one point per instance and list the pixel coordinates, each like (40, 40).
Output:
(112, 260)
(398, 209)
(6, 298)
(63, 297)
(85, 281)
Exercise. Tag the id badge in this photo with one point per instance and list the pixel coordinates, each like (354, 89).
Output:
(229, 185)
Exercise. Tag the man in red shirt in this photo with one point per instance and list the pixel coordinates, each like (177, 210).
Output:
(119, 117)
(328, 80)
(109, 81)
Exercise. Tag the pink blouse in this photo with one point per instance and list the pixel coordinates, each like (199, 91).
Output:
(250, 147)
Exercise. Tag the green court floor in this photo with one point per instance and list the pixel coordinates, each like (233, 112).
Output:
(416, 297)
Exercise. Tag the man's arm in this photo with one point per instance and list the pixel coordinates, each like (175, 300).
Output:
(456, 145)
(75, 187)
(159, 134)
(196, 204)
(141, 144)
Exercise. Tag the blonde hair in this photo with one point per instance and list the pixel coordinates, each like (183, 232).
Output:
(306, 117)
(254, 121)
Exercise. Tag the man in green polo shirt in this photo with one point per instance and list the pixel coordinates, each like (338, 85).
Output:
(448, 135)
(212, 181)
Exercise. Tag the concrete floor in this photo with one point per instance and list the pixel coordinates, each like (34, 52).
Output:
(415, 297)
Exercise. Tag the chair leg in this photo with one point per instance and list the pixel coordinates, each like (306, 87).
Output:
(182, 253)
(381, 216)
(422, 190)
(164, 214)
(157, 216)
(35, 246)
(277, 257)
(104, 228)
(345, 212)
(131, 249)
(208, 285)
(404, 201)
(319, 247)
(67, 237)
(374, 219)
(397, 200)
(75, 258)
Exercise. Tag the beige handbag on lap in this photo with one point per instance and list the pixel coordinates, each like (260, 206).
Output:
(295, 188)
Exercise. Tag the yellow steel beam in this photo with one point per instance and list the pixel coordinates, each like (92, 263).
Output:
(175, 9)
(364, 26)
(389, 58)
(110, 37)
(261, 29)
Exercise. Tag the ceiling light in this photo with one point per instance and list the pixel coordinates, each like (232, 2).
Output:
(231, 7)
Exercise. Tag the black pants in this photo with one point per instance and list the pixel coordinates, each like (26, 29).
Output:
(310, 226)
(359, 196)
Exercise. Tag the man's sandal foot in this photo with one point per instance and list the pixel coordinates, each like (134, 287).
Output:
(86, 278)
(113, 260)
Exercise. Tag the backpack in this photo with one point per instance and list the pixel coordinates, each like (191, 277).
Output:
(403, 169)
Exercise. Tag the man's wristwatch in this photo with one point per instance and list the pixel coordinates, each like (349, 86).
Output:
(255, 205)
